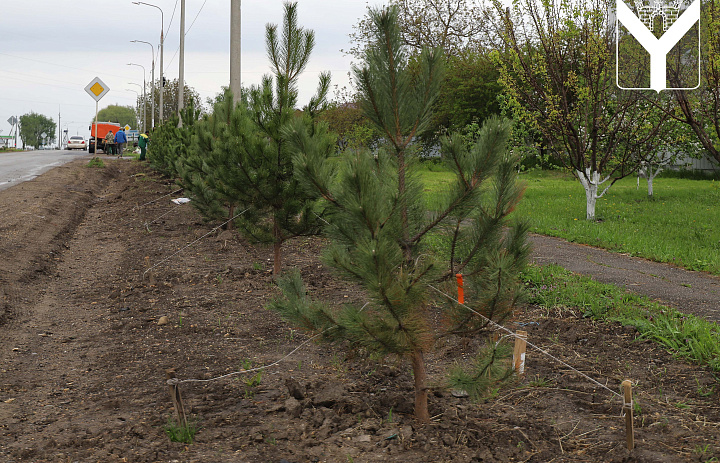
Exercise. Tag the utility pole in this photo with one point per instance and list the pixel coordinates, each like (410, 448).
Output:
(59, 130)
(162, 80)
(181, 78)
(235, 50)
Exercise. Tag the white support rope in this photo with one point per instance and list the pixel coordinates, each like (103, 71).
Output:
(147, 203)
(179, 381)
(206, 234)
(147, 225)
(158, 199)
(511, 333)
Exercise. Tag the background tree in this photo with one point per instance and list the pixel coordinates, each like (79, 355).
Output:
(379, 223)
(468, 94)
(346, 119)
(557, 67)
(451, 25)
(32, 126)
(170, 101)
(124, 115)
(700, 108)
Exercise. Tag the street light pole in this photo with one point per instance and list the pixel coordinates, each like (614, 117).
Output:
(162, 46)
(144, 99)
(144, 104)
(138, 97)
(181, 78)
(152, 87)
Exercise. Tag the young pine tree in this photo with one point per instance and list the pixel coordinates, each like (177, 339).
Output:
(170, 142)
(198, 166)
(257, 163)
(384, 237)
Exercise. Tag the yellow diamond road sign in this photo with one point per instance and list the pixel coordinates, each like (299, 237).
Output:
(97, 89)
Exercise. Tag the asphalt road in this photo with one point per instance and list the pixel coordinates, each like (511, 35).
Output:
(26, 165)
(697, 293)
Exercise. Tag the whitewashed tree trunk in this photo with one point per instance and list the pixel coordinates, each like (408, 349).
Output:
(590, 180)
(650, 177)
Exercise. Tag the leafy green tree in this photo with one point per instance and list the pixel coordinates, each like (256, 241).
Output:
(32, 126)
(469, 94)
(124, 115)
(345, 118)
(384, 237)
(699, 109)
(558, 70)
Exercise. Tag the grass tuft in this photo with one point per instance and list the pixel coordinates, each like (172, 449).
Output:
(178, 433)
(96, 162)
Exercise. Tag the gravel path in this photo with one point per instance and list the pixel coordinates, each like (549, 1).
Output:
(690, 292)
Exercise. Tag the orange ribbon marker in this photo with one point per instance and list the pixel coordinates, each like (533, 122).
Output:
(461, 291)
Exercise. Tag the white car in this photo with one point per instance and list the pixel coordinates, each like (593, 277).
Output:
(76, 143)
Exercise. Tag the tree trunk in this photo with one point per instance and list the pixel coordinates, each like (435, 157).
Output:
(421, 393)
(650, 177)
(590, 181)
(231, 213)
(277, 246)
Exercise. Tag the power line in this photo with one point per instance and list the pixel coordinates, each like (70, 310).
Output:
(92, 71)
(196, 16)
(171, 20)
(186, 32)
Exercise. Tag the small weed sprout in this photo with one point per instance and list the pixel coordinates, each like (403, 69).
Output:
(539, 381)
(703, 390)
(184, 434)
(252, 381)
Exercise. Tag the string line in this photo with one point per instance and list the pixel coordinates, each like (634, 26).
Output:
(511, 333)
(206, 234)
(179, 381)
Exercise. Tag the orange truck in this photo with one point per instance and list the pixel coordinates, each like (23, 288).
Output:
(102, 129)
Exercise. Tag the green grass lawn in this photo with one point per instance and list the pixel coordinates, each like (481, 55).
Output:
(681, 225)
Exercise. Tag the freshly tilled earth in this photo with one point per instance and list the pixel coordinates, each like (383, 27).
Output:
(87, 335)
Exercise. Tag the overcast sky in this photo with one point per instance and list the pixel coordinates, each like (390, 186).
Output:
(50, 50)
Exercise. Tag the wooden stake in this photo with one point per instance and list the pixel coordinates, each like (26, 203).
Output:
(151, 275)
(628, 411)
(461, 290)
(174, 391)
(519, 352)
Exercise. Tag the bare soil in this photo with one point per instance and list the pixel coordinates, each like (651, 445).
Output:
(85, 350)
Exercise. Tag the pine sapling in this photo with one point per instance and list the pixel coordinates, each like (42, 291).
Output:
(380, 228)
